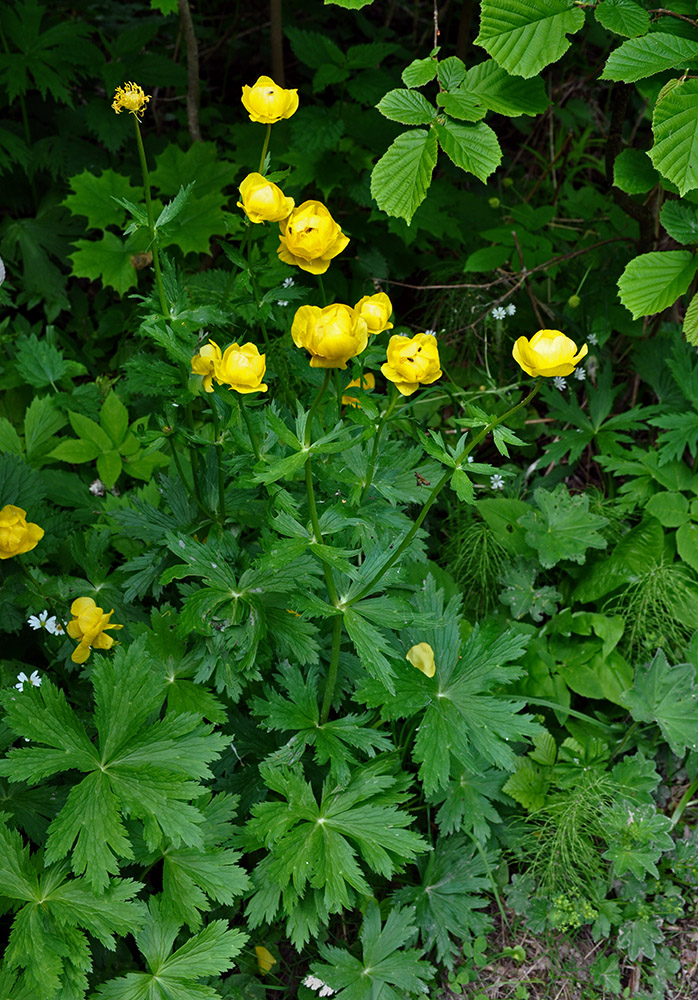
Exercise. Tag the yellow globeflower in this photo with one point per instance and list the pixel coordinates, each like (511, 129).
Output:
(548, 353)
(89, 625)
(265, 959)
(263, 201)
(367, 383)
(310, 238)
(16, 534)
(204, 363)
(412, 361)
(130, 98)
(268, 103)
(421, 656)
(331, 335)
(242, 368)
(376, 310)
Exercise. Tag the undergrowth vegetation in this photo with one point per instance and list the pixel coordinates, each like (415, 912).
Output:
(349, 500)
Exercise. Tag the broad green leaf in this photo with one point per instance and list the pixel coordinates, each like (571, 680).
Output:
(690, 322)
(562, 527)
(88, 430)
(641, 57)
(107, 260)
(201, 163)
(654, 281)
(670, 508)
(75, 451)
(668, 696)
(93, 196)
(109, 466)
(675, 128)
(451, 72)
(504, 94)
(40, 363)
(401, 178)
(350, 4)
(528, 785)
(114, 418)
(624, 17)
(524, 36)
(419, 72)
(687, 543)
(633, 172)
(41, 421)
(463, 105)
(10, 441)
(196, 222)
(637, 837)
(681, 221)
(474, 148)
(406, 106)
(463, 486)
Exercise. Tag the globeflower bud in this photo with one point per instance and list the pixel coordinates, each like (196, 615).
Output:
(412, 361)
(331, 335)
(89, 625)
(376, 310)
(16, 534)
(242, 369)
(263, 201)
(204, 363)
(310, 238)
(421, 656)
(548, 353)
(268, 103)
(574, 301)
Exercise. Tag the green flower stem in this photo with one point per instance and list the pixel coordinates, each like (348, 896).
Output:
(315, 521)
(385, 416)
(194, 456)
(394, 556)
(34, 582)
(187, 487)
(151, 224)
(219, 460)
(265, 147)
(684, 802)
(255, 289)
(557, 707)
(323, 293)
(254, 437)
(331, 681)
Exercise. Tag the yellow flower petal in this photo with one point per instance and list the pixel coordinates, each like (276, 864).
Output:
(548, 353)
(265, 959)
(421, 656)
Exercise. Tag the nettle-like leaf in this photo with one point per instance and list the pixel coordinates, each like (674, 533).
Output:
(668, 696)
(335, 741)
(315, 845)
(48, 939)
(176, 975)
(141, 766)
(505, 94)
(654, 281)
(524, 36)
(624, 17)
(472, 147)
(641, 57)
(447, 901)
(401, 178)
(675, 127)
(562, 527)
(386, 969)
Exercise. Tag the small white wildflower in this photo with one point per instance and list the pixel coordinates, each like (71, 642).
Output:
(470, 459)
(580, 374)
(38, 621)
(592, 339)
(430, 333)
(499, 312)
(288, 282)
(97, 488)
(56, 628)
(34, 679)
(497, 481)
(511, 309)
(282, 302)
(559, 382)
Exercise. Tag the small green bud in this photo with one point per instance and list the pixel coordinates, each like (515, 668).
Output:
(493, 202)
(573, 301)
(507, 182)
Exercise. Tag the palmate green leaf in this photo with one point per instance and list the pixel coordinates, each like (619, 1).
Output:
(675, 128)
(148, 768)
(447, 901)
(524, 36)
(641, 57)
(467, 802)
(654, 281)
(300, 713)
(624, 17)
(48, 938)
(668, 696)
(176, 975)
(406, 106)
(315, 845)
(41, 364)
(474, 148)
(190, 877)
(637, 836)
(41, 421)
(108, 260)
(387, 968)
(401, 178)
(562, 527)
(504, 94)
(372, 647)
(200, 163)
(93, 197)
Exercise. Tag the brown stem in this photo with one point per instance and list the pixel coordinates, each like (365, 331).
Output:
(614, 144)
(192, 70)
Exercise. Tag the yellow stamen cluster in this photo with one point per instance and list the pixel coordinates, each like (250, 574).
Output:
(130, 98)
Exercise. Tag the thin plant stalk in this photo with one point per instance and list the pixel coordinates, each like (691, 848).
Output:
(265, 147)
(151, 223)
(254, 437)
(183, 478)
(219, 460)
(394, 556)
(331, 681)
(385, 416)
